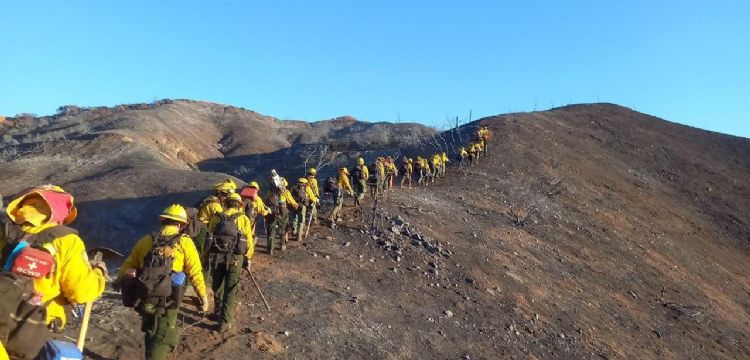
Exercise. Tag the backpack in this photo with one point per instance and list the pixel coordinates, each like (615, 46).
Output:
(331, 185)
(226, 237)
(195, 226)
(299, 193)
(277, 205)
(249, 193)
(155, 277)
(23, 325)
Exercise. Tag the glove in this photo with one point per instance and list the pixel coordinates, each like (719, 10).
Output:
(247, 264)
(100, 265)
(203, 301)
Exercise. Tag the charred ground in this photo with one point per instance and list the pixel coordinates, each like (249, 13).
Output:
(592, 231)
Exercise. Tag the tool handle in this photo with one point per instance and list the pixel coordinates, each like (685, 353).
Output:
(86, 314)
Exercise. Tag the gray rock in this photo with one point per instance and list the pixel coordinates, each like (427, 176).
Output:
(448, 313)
(469, 279)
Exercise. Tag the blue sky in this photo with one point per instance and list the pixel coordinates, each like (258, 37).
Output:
(686, 61)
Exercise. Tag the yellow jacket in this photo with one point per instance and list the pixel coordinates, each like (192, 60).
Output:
(380, 168)
(464, 153)
(445, 159)
(436, 160)
(344, 182)
(244, 225)
(311, 194)
(210, 206)
(186, 258)
(73, 281)
(3, 353)
(313, 183)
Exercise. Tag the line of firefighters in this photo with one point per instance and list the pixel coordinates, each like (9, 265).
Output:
(46, 266)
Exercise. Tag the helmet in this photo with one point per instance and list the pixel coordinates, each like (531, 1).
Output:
(174, 212)
(227, 186)
(254, 184)
(234, 197)
(360, 161)
(344, 171)
(312, 171)
(302, 181)
(40, 205)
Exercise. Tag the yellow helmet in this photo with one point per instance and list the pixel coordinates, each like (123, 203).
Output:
(234, 197)
(254, 184)
(360, 161)
(302, 181)
(344, 171)
(226, 186)
(312, 171)
(175, 212)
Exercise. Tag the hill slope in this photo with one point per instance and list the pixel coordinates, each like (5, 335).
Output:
(126, 163)
(592, 231)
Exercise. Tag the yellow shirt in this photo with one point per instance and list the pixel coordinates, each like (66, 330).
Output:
(73, 280)
(311, 194)
(210, 206)
(244, 225)
(313, 183)
(186, 258)
(344, 182)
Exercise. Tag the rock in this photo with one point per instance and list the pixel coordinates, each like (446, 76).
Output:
(329, 238)
(374, 237)
(395, 230)
(432, 271)
(416, 243)
(346, 243)
(287, 333)
(469, 279)
(328, 257)
(432, 264)
(448, 313)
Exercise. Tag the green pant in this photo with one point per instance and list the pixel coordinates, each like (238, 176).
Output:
(276, 228)
(361, 190)
(338, 203)
(200, 245)
(313, 213)
(161, 333)
(298, 221)
(225, 281)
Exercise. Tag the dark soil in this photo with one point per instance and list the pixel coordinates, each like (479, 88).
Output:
(591, 232)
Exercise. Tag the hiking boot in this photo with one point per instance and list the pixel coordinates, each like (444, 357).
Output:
(224, 327)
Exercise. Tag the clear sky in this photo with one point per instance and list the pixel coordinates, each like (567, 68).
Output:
(686, 61)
